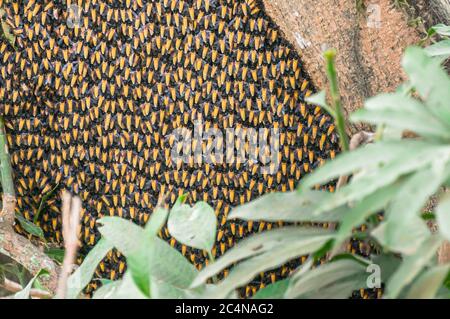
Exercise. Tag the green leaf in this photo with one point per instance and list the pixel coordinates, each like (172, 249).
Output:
(347, 274)
(273, 291)
(82, 276)
(289, 207)
(164, 262)
(123, 234)
(359, 213)
(157, 221)
(411, 266)
(430, 80)
(376, 178)
(423, 126)
(429, 283)
(29, 227)
(370, 155)
(57, 254)
(320, 99)
(270, 249)
(108, 290)
(388, 263)
(407, 205)
(6, 29)
(25, 293)
(443, 217)
(121, 289)
(442, 29)
(439, 50)
(194, 226)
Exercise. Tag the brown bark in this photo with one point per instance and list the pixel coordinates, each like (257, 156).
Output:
(370, 43)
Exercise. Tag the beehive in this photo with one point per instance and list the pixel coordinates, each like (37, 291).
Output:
(89, 104)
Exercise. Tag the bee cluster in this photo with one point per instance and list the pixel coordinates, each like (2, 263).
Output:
(90, 95)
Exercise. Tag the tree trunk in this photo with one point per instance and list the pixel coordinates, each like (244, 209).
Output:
(370, 39)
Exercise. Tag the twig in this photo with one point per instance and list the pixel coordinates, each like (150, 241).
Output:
(14, 287)
(330, 56)
(70, 221)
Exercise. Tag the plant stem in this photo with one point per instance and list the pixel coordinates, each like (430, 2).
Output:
(330, 56)
(9, 194)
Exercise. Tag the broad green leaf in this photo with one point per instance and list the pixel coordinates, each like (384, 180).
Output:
(123, 234)
(107, 290)
(29, 227)
(273, 291)
(124, 289)
(442, 29)
(247, 270)
(388, 263)
(366, 156)
(430, 80)
(83, 275)
(443, 217)
(407, 205)
(163, 290)
(411, 266)
(429, 283)
(25, 293)
(439, 50)
(326, 276)
(193, 226)
(57, 254)
(169, 265)
(376, 178)
(157, 221)
(358, 214)
(268, 249)
(289, 207)
(320, 100)
(423, 126)
(165, 262)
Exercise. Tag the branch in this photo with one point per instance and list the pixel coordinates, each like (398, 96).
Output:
(71, 220)
(14, 287)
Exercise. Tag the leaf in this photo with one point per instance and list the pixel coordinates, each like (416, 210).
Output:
(195, 227)
(107, 290)
(439, 50)
(289, 207)
(25, 293)
(82, 276)
(271, 247)
(388, 263)
(429, 283)
(358, 214)
(164, 262)
(443, 217)
(6, 29)
(430, 81)
(57, 254)
(273, 291)
(411, 266)
(442, 29)
(157, 221)
(423, 126)
(407, 205)
(30, 228)
(43, 201)
(324, 277)
(366, 156)
(375, 178)
(135, 243)
(121, 289)
(320, 99)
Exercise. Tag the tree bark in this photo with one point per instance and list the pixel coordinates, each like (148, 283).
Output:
(370, 40)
